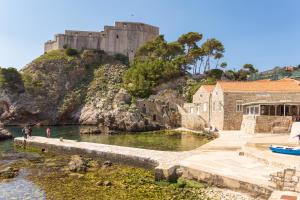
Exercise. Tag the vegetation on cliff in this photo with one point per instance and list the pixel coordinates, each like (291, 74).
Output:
(159, 61)
(10, 78)
(60, 82)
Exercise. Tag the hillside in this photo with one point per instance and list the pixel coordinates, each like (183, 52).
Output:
(60, 87)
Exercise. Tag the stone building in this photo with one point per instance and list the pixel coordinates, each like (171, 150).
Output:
(199, 112)
(123, 38)
(254, 106)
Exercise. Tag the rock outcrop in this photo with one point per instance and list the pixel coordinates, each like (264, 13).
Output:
(9, 172)
(85, 89)
(77, 164)
(5, 134)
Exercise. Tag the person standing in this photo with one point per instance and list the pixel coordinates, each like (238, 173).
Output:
(48, 131)
(29, 131)
(25, 134)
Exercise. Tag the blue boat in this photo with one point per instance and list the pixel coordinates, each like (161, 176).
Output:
(285, 150)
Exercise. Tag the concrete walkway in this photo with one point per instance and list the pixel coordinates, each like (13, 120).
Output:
(218, 162)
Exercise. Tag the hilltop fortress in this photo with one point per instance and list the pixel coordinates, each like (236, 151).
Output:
(123, 38)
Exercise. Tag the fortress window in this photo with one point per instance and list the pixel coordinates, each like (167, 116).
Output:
(117, 36)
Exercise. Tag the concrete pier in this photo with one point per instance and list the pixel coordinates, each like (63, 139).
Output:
(218, 162)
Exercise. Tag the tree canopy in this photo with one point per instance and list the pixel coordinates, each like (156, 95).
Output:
(159, 61)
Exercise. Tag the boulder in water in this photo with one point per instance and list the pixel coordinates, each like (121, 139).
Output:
(77, 164)
(5, 134)
(9, 172)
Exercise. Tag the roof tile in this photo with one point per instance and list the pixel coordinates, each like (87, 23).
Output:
(283, 85)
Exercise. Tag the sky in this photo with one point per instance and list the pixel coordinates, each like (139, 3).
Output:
(265, 33)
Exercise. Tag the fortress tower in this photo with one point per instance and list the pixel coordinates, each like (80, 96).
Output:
(124, 38)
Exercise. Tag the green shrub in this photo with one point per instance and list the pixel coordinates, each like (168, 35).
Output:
(71, 101)
(10, 78)
(215, 73)
(71, 52)
(122, 58)
(31, 82)
(54, 55)
(195, 86)
(140, 78)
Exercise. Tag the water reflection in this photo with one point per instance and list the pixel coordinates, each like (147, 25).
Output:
(147, 140)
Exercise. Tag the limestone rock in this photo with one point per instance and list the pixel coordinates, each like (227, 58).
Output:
(9, 172)
(5, 134)
(77, 164)
(107, 164)
(76, 175)
(107, 183)
(86, 89)
(122, 97)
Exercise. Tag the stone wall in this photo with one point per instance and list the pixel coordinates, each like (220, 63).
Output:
(287, 180)
(193, 122)
(164, 114)
(248, 124)
(259, 191)
(190, 120)
(273, 124)
(217, 108)
(124, 38)
(201, 100)
(233, 119)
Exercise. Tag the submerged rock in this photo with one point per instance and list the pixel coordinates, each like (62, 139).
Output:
(104, 183)
(107, 164)
(76, 175)
(9, 172)
(77, 164)
(90, 130)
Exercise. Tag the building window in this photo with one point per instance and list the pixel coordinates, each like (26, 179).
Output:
(248, 111)
(205, 107)
(239, 106)
(198, 110)
(220, 106)
(256, 110)
(117, 36)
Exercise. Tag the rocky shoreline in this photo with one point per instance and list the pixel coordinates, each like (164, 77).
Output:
(52, 173)
(5, 134)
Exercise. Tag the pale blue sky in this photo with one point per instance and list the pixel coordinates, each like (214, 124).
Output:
(265, 33)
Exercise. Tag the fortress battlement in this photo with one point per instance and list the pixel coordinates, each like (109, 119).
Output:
(123, 38)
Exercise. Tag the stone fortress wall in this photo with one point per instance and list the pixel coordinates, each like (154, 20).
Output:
(124, 38)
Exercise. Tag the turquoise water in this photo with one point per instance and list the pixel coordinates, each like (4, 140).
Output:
(20, 188)
(146, 140)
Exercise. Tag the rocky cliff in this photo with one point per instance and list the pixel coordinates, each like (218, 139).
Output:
(85, 88)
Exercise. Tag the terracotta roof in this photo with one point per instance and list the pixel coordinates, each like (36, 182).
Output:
(208, 88)
(283, 85)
